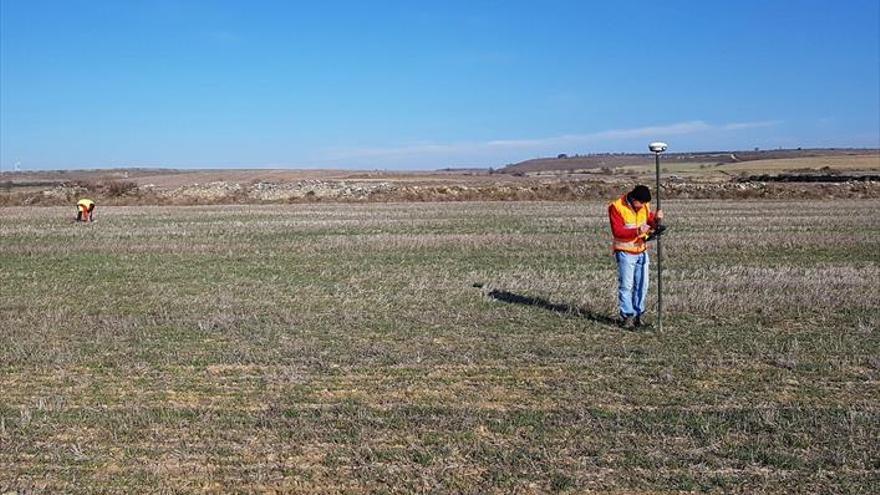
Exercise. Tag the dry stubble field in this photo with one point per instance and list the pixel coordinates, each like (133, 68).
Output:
(460, 348)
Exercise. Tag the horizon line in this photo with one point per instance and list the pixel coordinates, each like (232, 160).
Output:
(447, 168)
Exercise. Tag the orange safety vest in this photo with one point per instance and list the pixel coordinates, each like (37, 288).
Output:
(632, 219)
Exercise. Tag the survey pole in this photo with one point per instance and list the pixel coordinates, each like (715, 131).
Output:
(657, 148)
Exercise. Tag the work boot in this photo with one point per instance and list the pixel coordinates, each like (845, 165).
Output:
(641, 323)
(627, 323)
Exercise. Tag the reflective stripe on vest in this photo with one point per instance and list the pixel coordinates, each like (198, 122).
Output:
(631, 220)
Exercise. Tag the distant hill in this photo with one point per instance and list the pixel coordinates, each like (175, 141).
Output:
(614, 160)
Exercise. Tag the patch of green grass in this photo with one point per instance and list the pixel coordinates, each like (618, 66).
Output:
(359, 348)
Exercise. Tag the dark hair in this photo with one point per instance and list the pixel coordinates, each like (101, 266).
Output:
(640, 193)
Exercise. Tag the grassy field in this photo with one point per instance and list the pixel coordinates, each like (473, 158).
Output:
(444, 348)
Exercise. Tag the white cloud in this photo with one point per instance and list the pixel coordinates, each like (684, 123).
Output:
(535, 146)
(750, 125)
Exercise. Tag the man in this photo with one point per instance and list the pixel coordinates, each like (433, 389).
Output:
(631, 223)
(85, 210)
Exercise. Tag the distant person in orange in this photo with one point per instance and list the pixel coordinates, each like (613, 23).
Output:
(85, 210)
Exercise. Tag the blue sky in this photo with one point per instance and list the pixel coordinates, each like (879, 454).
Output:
(420, 85)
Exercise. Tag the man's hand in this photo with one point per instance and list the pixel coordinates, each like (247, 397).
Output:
(659, 215)
(644, 228)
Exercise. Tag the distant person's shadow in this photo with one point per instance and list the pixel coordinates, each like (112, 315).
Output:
(566, 309)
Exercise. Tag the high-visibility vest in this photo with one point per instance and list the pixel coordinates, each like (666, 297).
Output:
(86, 203)
(631, 219)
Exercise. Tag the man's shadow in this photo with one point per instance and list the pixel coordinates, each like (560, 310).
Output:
(566, 309)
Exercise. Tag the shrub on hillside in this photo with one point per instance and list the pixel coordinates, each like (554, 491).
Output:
(120, 188)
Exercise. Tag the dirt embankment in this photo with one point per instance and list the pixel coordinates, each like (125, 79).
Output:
(315, 190)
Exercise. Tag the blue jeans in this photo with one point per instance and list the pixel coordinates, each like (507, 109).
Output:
(632, 277)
